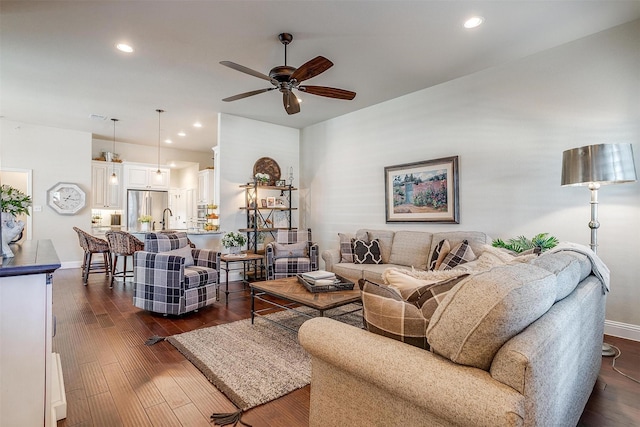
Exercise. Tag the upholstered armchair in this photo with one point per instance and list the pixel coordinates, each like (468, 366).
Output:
(171, 277)
(291, 253)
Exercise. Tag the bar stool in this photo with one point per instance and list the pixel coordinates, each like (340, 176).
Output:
(123, 244)
(93, 245)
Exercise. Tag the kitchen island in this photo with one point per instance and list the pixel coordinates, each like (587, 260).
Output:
(32, 391)
(201, 238)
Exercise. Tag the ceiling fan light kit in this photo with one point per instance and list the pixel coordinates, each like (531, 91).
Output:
(286, 78)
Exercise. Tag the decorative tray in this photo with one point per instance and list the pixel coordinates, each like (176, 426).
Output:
(340, 284)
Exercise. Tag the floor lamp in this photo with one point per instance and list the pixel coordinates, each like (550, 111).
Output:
(593, 166)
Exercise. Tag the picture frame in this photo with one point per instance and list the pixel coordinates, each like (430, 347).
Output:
(280, 219)
(425, 191)
(281, 183)
(271, 202)
(280, 203)
(263, 203)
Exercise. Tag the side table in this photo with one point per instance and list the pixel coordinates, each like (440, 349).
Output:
(251, 262)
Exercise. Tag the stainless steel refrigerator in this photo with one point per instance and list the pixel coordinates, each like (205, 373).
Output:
(145, 202)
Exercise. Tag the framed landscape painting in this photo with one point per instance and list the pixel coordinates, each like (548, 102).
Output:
(424, 191)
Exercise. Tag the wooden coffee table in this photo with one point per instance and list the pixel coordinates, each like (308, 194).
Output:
(295, 295)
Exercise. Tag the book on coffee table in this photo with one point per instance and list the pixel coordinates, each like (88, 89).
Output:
(312, 276)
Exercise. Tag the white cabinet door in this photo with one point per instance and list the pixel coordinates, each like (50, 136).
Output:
(104, 193)
(146, 178)
(205, 186)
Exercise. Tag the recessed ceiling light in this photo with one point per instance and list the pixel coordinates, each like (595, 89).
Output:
(182, 134)
(123, 47)
(473, 22)
(168, 141)
(197, 125)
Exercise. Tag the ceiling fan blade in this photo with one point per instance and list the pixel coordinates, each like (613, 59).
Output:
(312, 68)
(329, 92)
(290, 101)
(247, 94)
(245, 70)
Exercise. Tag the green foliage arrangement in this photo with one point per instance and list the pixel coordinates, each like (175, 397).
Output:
(14, 201)
(145, 218)
(233, 239)
(521, 243)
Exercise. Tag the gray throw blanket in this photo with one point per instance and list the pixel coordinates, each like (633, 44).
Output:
(599, 269)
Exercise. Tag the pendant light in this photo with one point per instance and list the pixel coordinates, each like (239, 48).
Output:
(158, 172)
(114, 177)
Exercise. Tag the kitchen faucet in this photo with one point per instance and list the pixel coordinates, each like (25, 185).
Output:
(164, 223)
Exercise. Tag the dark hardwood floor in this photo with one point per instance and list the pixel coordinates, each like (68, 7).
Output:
(113, 379)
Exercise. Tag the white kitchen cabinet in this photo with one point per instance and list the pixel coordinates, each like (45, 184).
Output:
(206, 189)
(103, 193)
(145, 177)
(28, 370)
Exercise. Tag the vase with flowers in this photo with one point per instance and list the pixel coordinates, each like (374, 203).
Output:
(13, 202)
(234, 242)
(144, 221)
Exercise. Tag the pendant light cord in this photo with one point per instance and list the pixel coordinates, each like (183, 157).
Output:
(159, 112)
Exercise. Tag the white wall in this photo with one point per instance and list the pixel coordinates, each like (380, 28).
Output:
(509, 126)
(54, 155)
(241, 143)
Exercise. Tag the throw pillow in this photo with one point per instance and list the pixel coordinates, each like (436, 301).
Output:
(293, 250)
(441, 250)
(384, 313)
(460, 254)
(346, 247)
(184, 252)
(367, 252)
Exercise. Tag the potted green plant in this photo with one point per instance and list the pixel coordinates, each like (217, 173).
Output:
(144, 221)
(262, 178)
(233, 241)
(538, 243)
(13, 202)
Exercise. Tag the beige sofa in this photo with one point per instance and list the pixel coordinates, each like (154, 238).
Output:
(541, 376)
(401, 249)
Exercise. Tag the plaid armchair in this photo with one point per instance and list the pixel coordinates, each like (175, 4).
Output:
(170, 277)
(291, 253)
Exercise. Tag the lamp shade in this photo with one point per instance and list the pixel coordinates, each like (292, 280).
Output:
(602, 163)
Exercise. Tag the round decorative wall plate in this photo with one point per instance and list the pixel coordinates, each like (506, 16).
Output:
(66, 198)
(269, 166)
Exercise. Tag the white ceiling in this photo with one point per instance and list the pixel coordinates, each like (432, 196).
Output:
(59, 64)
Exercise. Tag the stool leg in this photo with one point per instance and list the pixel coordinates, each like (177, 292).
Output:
(124, 271)
(114, 262)
(87, 266)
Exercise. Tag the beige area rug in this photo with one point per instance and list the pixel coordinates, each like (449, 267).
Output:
(254, 364)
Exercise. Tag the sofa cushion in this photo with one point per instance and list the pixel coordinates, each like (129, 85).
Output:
(440, 251)
(570, 269)
(484, 311)
(366, 252)
(410, 248)
(460, 254)
(386, 314)
(385, 238)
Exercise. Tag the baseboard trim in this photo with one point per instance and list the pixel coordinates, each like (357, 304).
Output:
(70, 264)
(622, 330)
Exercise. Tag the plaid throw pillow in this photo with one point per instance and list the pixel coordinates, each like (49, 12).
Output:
(459, 255)
(439, 253)
(346, 247)
(367, 252)
(386, 314)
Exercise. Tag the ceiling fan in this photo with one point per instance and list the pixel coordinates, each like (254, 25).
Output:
(286, 78)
